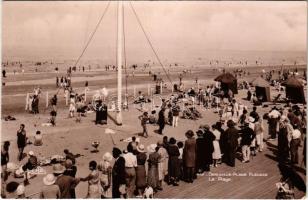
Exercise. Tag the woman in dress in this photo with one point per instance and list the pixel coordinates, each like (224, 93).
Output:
(105, 179)
(93, 181)
(217, 152)
(153, 166)
(140, 171)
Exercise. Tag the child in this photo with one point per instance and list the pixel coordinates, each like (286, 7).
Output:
(144, 119)
(38, 139)
(181, 147)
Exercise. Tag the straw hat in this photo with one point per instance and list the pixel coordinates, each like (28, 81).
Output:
(20, 189)
(151, 148)
(107, 157)
(58, 169)
(31, 153)
(140, 148)
(49, 179)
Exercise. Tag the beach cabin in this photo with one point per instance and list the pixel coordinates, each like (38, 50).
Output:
(262, 87)
(294, 90)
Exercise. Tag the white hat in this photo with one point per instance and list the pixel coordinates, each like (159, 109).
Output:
(140, 148)
(49, 179)
(31, 153)
(251, 119)
(151, 148)
(107, 157)
(20, 189)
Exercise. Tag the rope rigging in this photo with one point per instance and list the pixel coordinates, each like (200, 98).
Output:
(92, 34)
(134, 11)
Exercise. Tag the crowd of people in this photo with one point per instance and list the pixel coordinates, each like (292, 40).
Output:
(139, 171)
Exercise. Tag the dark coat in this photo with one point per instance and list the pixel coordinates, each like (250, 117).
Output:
(118, 176)
(209, 137)
(247, 135)
(223, 141)
(161, 117)
(189, 152)
(200, 149)
(66, 183)
(283, 143)
(173, 161)
(232, 136)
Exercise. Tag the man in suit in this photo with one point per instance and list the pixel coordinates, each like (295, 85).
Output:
(161, 120)
(118, 173)
(232, 143)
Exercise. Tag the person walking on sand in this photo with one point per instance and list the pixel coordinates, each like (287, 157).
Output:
(144, 119)
(161, 120)
(21, 141)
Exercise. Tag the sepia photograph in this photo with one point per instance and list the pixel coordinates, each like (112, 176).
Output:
(153, 99)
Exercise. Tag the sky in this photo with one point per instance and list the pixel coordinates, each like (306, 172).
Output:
(60, 29)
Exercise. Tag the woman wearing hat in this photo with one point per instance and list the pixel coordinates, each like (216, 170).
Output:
(189, 156)
(163, 164)
(209, 137)
(153, 166)
(140, 170)
(105, 178)
(217, 152)
(50, 190)
(283, 141)
(200, 149)
(173, 164)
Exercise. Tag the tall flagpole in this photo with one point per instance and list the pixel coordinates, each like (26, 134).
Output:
(119, 62)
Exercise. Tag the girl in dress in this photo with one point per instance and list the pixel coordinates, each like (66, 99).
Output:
(217, 152)
(105, 179)
(93, 181)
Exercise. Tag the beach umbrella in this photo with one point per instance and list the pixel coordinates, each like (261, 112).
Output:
(225, 78)
(260, 82)
(290, 173)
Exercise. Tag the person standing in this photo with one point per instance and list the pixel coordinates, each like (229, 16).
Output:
(283, 141)
(21, 141)
(173, 164)
(232, 143)
(189, 156)
(259, 130)
(153, 161)
(5, 158)
(53, 102)
(144, 119)
(161, 120)
(175, 114)
(50, 190)
(163, 164)
(105, 179)
(217, 151)
(65, 183)
(200, 149)
(118, 173)
(247, 135)
(272, 123)
(140, 170)
(294, 144)
(93, 181)
(130, 171)
(209, 137)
